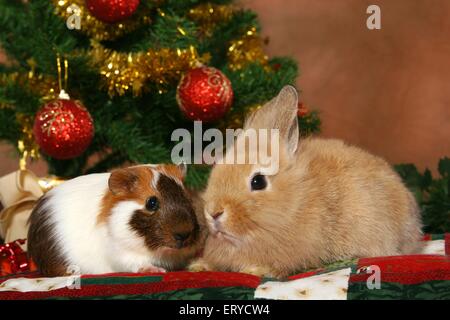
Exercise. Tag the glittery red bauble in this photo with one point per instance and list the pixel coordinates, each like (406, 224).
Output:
(63, 128)
(112, 11)
(204, 94)
(13, 259)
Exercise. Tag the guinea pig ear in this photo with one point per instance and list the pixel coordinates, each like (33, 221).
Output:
(122, 181)
(279, 113)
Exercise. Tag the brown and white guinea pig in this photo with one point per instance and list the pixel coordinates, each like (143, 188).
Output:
(137, 219)
(328, 201)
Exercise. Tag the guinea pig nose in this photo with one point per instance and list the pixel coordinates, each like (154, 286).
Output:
(216, 215)
(181, 236)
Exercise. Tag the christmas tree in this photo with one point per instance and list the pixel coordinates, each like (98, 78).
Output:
(135, 71)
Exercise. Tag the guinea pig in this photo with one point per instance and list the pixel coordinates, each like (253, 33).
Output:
(328, 201)
(137, 219)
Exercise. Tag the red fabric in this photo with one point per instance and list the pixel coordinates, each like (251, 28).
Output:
(406, 269)
(122, 274)
(233, 278)
(171, 281)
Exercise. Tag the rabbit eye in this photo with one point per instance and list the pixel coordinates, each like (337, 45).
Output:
(258, 182)
(152, 204)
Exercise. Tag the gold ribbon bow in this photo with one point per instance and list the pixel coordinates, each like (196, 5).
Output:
(19, 192)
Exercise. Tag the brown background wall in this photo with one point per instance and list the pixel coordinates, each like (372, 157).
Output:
(386, 90)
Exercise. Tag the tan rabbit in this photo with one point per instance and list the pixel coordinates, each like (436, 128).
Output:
(329, 201)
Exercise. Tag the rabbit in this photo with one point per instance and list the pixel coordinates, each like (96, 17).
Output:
(328, 201)
(136, 219)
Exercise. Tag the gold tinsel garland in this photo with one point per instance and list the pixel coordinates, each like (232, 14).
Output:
(208, 15)
(123, 72)
(38, 84)
(130, 72)
(97, 29)
(27, 145)
(245, 50)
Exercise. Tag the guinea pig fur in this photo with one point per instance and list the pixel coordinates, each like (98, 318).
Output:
(137, 219)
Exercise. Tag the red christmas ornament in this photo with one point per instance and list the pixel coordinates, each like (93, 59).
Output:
(112, 11)
(63, 128)
(204, 94)
(13, 259)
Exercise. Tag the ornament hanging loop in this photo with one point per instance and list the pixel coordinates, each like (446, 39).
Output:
(62, 90)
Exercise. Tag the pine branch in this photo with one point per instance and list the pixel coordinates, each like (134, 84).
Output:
(432, 194)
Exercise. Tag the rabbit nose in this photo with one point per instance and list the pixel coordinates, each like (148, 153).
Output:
(216, 215)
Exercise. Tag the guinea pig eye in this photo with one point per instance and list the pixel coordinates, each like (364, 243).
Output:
(152, 204)
(258, 182)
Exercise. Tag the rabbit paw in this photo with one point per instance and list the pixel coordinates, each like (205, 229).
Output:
(258, 271)
(199, 266)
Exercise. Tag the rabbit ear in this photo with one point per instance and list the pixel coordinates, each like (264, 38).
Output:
(279, 113)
